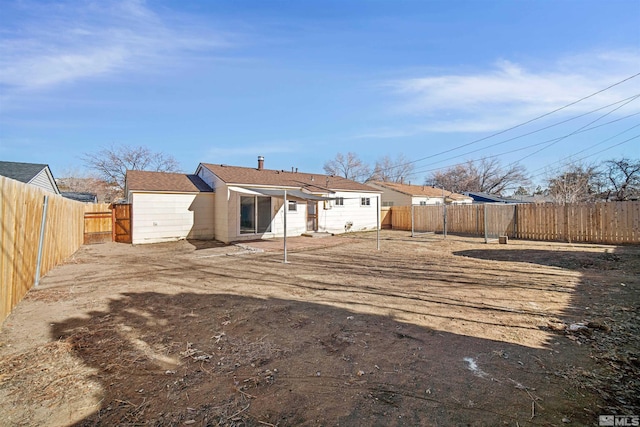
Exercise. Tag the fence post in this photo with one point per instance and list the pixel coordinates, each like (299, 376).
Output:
(41, 242)
(566, 223)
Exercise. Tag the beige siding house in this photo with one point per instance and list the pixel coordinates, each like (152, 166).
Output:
(169, 206)
(232, 203)
(250, 202)
(396, 194)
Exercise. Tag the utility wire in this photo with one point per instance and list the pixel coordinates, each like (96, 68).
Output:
(575, 132)
(546, 170)
(523, 123)
(420, 171)
(539, 130)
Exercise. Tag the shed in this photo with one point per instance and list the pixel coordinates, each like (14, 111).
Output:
(169, 206)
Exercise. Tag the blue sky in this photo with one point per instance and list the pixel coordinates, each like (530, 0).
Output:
(299, 81)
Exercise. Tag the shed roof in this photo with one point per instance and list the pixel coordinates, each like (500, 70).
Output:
(165, 181)
(23, 172)
(280, 178)
(419, 190)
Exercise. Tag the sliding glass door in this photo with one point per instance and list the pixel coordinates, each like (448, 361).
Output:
(255, 214)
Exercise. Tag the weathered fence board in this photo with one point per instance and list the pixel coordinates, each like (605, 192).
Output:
(21, 210)
(610, 222)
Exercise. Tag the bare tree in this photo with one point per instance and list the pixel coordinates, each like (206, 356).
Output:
(389, 170)
(576, 183)
(77, 181)
(111, 164)
(622, 178)
(486, 176)
(349, 166)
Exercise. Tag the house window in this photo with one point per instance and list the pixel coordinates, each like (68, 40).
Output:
(293, 206)
(387, 204)
(339, 201)
(255, 214)
(423, 203)
(365, 201)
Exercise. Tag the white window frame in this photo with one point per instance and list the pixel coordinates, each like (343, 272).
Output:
(365, 201)
(293, 203)
(339, 201)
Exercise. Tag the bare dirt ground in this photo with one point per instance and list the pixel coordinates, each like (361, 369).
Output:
(425, 331)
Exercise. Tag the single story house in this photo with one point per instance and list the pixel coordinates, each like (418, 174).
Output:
(30, 173)
(169, 206)
(397, 194)
(232, 203)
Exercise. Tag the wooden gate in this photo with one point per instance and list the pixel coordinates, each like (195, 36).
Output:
(122, 223)
(98, 223)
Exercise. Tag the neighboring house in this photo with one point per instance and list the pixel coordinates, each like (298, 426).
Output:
(30, 173)
(231, 203)
(249, 202)
(490, 198)
(169, 206)
(396, 194)
(80, 197)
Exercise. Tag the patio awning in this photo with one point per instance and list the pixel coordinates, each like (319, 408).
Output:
(279, 193)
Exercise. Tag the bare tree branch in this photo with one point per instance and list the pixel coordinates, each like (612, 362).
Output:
(111, 164)
(486, 176)
(389, 170)
(623, 178)
(349, 166)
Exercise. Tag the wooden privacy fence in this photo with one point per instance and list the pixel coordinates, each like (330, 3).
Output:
(98, 223)
(21, 214)
(610, 222)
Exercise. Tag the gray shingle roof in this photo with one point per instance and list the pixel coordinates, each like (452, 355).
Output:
(23, 172)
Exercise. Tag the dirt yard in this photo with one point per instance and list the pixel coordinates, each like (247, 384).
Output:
(426, 331)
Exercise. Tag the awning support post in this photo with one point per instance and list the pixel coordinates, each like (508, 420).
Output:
(378, 221)
(285, 227)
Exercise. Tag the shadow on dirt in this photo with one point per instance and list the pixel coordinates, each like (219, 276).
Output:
(603, 311)
(219, 359)
(572, 260)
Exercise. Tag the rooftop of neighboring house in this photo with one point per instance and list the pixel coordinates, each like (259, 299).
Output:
(165, 181)
(312, 182)
(80, 196)
(23, 172)
(479, 197)
(419, 190)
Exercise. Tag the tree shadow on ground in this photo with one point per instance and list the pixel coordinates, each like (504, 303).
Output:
(217, 359)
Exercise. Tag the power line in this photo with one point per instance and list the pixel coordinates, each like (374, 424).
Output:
(587, 149)
(575, 132)
(539, 130)
(523, 123)
(419, 171)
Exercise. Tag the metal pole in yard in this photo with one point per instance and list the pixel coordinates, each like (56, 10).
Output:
(412, 229)
(486, 236)
(41, 242)
(444, 206)
(378, 221)
(285, 226)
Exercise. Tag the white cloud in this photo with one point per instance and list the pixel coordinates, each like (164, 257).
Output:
(511, 93)
(65, 42)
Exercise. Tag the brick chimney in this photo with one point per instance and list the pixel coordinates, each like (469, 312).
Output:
(260, 163)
